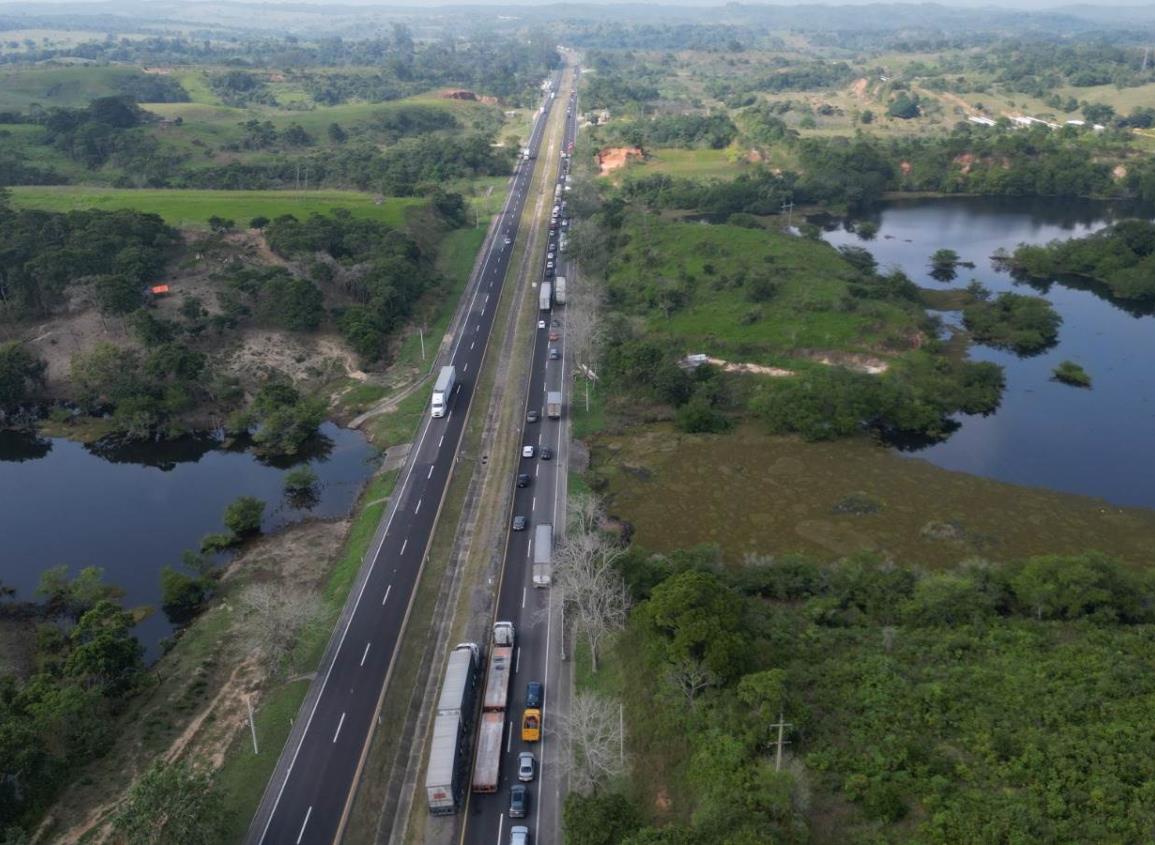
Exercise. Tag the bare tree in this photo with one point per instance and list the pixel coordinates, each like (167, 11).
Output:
(690, 677)
(592, 733)
(591, 585)
(584, 327)
(274, 615)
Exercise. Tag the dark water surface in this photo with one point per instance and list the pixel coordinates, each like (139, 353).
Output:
(134, 509)
(1098, 442)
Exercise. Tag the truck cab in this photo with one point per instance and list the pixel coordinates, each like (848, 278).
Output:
(531, 725)
(503, 634)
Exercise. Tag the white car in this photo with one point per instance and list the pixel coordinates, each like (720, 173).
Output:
(541, 324)
(508, 240)
(525, 766)
(519, 835)
(528, 451)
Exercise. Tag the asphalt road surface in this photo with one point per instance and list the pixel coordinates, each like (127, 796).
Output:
(537, 655)
(306, 798)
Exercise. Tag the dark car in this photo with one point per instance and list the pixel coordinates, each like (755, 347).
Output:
(523, 479)
(532, 416)
(546, 453)
(519, 523)
(518, 801)
(533, 694)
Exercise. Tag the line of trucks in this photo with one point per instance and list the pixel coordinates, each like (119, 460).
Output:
(448, 771)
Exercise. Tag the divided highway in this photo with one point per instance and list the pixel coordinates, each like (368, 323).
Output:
(537, 621)
(307, 797)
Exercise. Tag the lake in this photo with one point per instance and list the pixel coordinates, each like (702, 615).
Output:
(1095, 442)
(133, 509)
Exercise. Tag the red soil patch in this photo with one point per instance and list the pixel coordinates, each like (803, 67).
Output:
(614, 158)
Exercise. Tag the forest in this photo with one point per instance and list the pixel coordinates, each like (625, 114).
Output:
(937, 707)
(857, 172)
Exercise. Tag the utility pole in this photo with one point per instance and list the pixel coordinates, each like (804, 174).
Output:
(788, 207)
(252, 724)
(421, 334)
(781, 726)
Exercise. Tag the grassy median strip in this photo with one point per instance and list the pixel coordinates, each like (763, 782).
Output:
(492, 523)
(411, 669)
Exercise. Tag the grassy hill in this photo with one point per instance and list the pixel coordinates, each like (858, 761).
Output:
(60, 86)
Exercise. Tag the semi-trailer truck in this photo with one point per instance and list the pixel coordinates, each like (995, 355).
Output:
(448, 769)
(495, 700)
(545, 296)
(553, 404)
(543, 555)
(442, 390)
(559, 290)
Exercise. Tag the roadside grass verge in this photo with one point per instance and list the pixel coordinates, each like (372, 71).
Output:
(243, 776)
(192, 208)
(311, 643)
(241, 780)
(410, 666)
(455, 257)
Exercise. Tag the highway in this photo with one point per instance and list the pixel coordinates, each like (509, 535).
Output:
(537, 657)
(307, 798)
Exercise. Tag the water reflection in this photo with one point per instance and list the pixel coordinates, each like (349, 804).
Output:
(133, 508)
(1095, 442)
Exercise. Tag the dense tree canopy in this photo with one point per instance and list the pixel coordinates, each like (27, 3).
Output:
(977, 678)
(42, 253)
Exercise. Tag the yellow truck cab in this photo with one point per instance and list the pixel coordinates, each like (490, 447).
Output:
(531, 725)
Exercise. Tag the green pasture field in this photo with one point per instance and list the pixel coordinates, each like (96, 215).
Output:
(59, 86)
(803, 313)
(192, 208)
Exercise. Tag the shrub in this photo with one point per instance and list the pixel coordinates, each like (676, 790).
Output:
(1068, 372)
(243, 517)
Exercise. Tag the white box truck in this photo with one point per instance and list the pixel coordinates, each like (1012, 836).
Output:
(545, 296)
(442, 390)
(553, 404)
(559, 290)
(542, 555)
